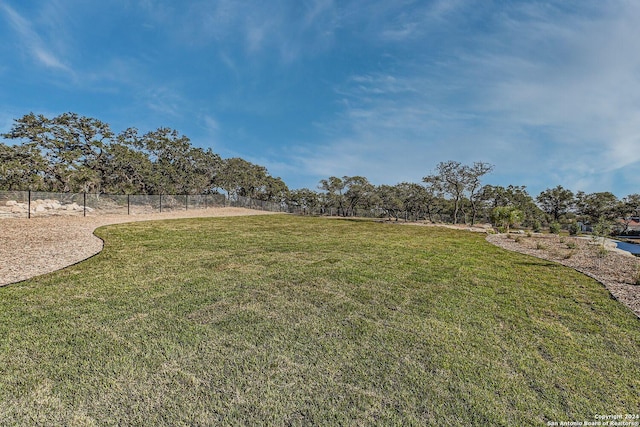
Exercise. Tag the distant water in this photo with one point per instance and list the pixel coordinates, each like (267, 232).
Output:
(629, 247)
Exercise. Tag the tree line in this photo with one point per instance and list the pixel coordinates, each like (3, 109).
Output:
(72, 153)
(455, 194)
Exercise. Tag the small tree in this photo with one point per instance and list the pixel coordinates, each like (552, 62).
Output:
(506, 216)
(601, 230)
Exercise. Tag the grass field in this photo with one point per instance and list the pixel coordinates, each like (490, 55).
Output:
(294, 321)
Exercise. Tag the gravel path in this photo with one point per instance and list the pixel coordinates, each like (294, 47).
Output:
(616, 270)
(31, 247)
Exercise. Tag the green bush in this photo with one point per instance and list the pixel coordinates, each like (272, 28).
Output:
(574, 228)
(536, 226)
(554, 228)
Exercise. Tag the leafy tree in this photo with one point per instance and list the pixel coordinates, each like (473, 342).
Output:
(450, 179)
(358, 193)
(516, 196)
(21, 167)
(126, 171)
(205, 166)
(74, 153)
(334, 197)
(427, 198)
(171, 164)
(304, 199)
(273, 190)
(390, 199)
(473, 175)
(629, 209)
(73, 146)
(556, 202)
(460, 182)
(419, 200)
(239, 177)
(592, 207)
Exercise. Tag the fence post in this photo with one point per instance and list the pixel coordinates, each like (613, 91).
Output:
(186, 202)
(128, 204)
(29, 206)
(160, 202)
(84, 204)
(205, 201)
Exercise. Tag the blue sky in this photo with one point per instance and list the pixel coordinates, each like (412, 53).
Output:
(547, 91)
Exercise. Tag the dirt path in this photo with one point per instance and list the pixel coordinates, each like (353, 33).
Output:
(31, 247)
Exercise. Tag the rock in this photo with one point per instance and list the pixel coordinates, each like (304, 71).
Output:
(11, 203)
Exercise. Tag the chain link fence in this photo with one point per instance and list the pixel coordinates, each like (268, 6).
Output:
(33, 204)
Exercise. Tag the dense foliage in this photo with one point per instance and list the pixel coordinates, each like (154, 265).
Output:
(71, 153)
(74, 153)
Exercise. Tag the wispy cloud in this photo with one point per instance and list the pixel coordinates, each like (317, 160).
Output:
(415, 21)
(546, 86)
(290, 29)
(577, 76)
(164, 100)
(41, 51)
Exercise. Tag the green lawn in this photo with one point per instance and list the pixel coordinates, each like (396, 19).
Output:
(289, 320)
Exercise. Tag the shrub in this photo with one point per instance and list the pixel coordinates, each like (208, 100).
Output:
(574, 229)
(636, 277)
(601, 252)
(541, 246)
(572, 245)
(554, 228)
(536, 226)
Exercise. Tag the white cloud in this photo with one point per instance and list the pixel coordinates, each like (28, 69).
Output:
(164, 100)
(578, 75)
(545, 94)
(41, 51)
(291, 29)
(210, 123)
(415, 21)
